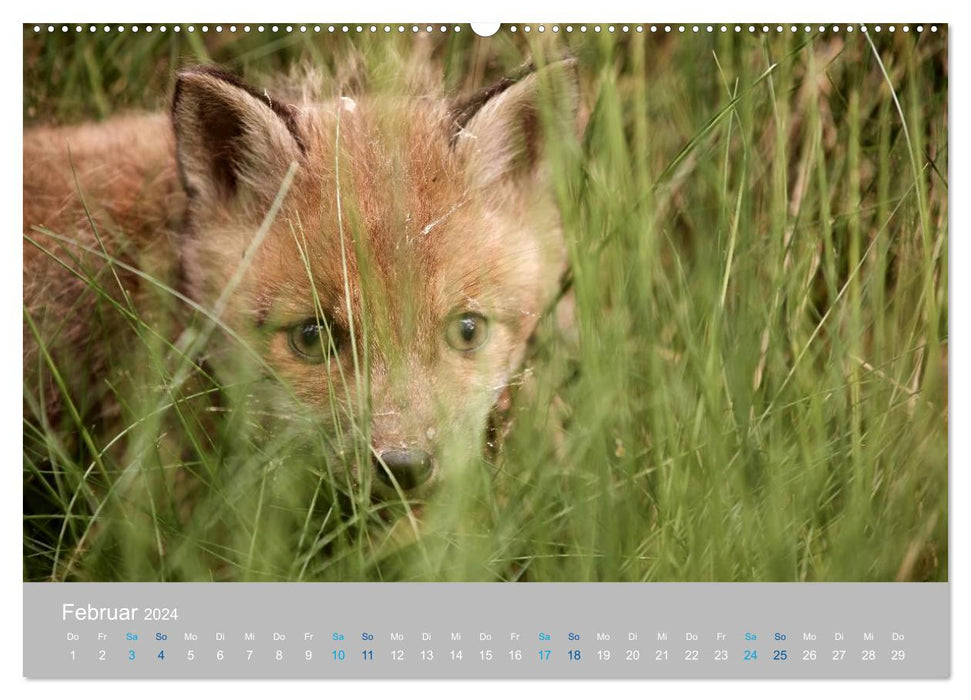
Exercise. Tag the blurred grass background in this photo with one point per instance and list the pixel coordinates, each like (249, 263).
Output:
(758, 387)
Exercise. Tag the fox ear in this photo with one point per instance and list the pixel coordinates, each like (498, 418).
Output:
(229, 139)
(501, 132)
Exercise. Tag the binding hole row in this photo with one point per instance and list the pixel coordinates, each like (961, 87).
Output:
(512, 28)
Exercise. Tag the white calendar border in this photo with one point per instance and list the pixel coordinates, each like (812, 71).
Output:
(11, 295)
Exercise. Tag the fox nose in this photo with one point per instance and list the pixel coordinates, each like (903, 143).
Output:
(410, 468)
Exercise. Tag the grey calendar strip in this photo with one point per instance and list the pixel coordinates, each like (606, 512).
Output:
(486, 630)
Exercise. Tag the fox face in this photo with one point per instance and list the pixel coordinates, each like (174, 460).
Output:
(378, 264)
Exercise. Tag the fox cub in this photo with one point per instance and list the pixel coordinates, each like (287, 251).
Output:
(389, 252)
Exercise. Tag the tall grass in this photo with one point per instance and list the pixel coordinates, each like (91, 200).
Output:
(753, 388)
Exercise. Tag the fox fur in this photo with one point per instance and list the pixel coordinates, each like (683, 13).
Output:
(383, 217)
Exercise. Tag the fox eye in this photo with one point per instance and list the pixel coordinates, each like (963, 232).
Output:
(310, 341)
(467, 331)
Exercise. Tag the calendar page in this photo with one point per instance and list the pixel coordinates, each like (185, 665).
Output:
(543, 350)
